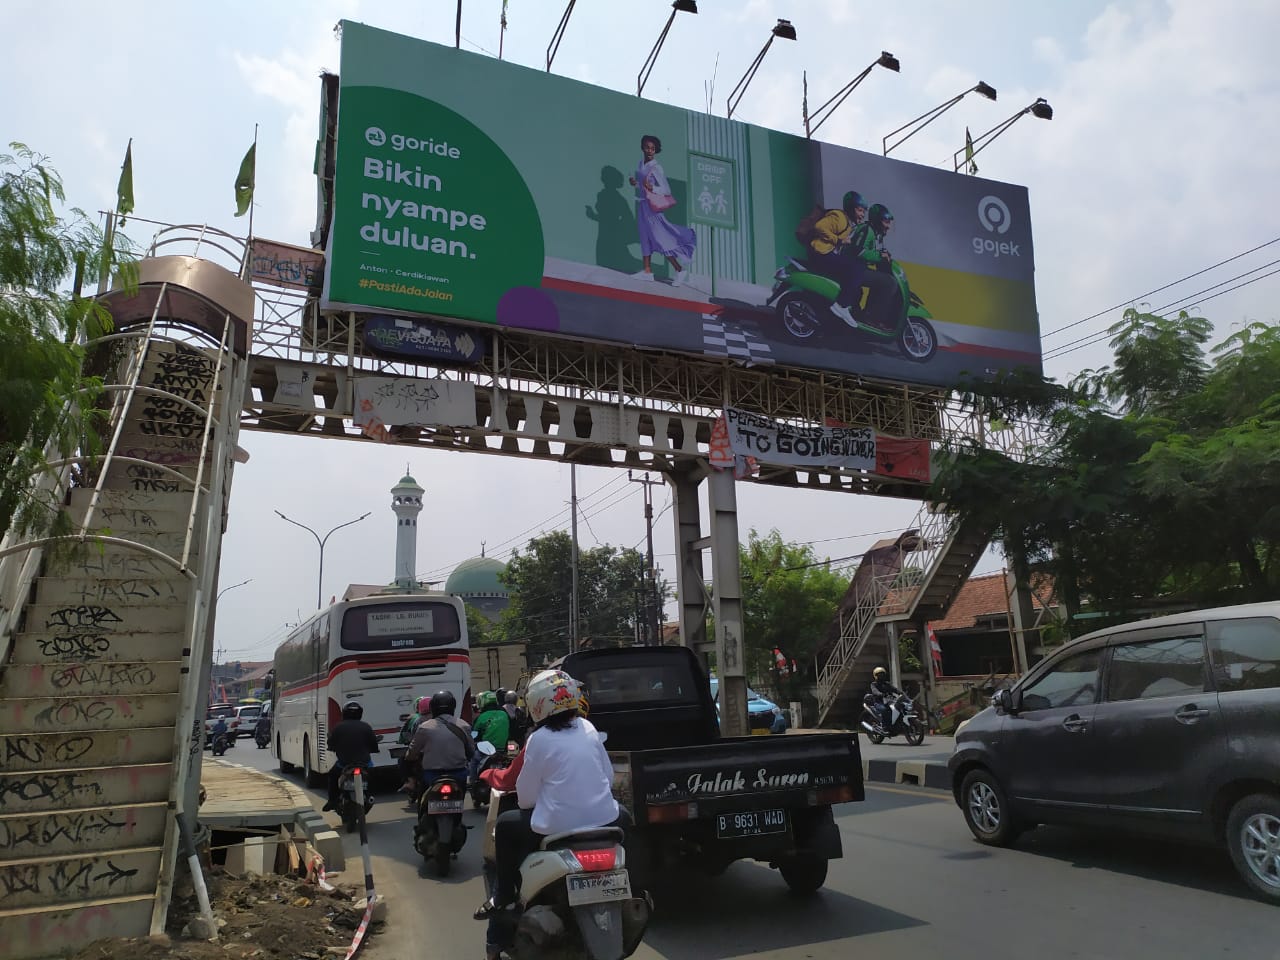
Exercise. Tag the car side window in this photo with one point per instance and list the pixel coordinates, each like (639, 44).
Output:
(1246, 653)
(1072, 682)
(1156, 668)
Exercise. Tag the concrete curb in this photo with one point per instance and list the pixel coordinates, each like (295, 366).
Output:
(919, 773)
(305, 817)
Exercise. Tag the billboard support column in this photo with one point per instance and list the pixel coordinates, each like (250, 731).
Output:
(726, 592)
(690, 586)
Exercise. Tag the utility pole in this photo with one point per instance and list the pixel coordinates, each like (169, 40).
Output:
(650, 585)
(573, 558)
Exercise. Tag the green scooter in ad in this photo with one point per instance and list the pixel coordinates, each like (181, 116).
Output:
(803, 299)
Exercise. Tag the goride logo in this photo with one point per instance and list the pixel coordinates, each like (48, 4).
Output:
(375, 136)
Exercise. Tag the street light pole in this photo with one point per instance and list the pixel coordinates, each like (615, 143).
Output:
(232, 587)
(321, 541)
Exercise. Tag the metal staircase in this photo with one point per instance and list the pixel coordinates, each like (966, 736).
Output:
(944, 547)
(103, 631)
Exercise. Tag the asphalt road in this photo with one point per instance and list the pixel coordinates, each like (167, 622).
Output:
(912, 884)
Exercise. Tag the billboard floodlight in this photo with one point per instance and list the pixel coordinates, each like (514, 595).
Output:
(677, 6)
(783, 29)
(1040, 110)
(813, 121)
(919, 123)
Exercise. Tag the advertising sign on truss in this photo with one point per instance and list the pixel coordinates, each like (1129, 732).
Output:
(475, 189)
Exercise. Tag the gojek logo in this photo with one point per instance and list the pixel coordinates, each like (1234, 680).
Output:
(993, 214)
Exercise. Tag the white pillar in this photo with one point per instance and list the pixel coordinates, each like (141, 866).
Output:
(406, 502)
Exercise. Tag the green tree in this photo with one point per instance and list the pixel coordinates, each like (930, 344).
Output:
(540, 581)
(1159, 477)
(47, 397)
(479, 629)
(788, 599)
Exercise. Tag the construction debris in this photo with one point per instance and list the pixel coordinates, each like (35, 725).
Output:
(271, 917)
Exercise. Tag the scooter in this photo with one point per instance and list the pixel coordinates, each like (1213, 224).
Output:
(349, 807)
(802, 300)
(906, 719)
(575, 895)
(478, 786)
(439, 833)
(262, 738)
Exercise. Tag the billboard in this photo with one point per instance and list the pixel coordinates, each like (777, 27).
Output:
(474, 189)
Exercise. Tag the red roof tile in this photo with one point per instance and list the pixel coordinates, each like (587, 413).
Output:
(983, 597)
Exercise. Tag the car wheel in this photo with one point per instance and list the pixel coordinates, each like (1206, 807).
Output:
(1253, 840)
(804, 874)
(986, 809)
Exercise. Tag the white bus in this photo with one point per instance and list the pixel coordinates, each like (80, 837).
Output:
(384, 652)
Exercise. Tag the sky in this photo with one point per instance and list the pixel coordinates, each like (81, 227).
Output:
(1159, 163)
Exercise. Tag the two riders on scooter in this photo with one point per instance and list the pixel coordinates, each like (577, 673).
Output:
(441, 746)
(847, 245)
(884, 693)
(353, 742)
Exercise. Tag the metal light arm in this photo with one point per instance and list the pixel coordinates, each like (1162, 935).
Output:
(926, 118)
(735, 95)
(554, 45)
(982, 141)
(643, 76)
(810, 126)
(321, 541)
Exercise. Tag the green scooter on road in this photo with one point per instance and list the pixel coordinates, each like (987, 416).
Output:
(802, 300)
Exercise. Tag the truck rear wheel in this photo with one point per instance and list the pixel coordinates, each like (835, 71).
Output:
(804, 874)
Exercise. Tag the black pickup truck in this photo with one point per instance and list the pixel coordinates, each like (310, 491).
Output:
(700, 798)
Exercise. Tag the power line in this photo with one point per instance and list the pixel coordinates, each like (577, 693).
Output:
(1140, 296)
(1193, 299)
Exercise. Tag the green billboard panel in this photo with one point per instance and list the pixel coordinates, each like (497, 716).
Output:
(474, 189)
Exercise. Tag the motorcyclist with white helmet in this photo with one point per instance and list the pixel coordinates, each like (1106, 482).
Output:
(563, 785)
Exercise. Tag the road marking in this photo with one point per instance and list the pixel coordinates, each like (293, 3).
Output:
(925, 792)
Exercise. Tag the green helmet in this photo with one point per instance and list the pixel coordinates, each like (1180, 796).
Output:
(852, 200)
(878, 215)
(487, 701)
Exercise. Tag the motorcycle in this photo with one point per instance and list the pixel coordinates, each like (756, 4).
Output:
(439, 832)
(575, 895)
(221, 743)
(350, 806)
(802, 300)
(478, 787)
(262, 733)
(906, 718)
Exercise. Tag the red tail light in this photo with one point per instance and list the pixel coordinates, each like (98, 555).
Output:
(356, 771)
(446, 789)
(596, 860)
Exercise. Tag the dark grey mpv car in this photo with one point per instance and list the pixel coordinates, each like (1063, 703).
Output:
(1168, 726)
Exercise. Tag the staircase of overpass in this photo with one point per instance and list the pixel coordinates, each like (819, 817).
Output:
(913, 578)
(104, 623)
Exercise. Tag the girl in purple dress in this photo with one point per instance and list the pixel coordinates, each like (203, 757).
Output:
(657, 234)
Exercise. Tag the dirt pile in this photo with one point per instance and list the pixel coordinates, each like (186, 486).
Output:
(275, 917)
